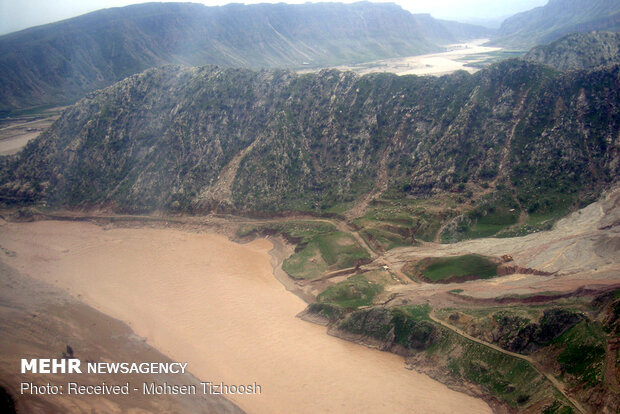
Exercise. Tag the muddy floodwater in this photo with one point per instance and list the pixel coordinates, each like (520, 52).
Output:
(202, 299)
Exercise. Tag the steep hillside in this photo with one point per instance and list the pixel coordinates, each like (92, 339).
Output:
(556, 19)
(62, 61)
(579, 51)
(207, 138)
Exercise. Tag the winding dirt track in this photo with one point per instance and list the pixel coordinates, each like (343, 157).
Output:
(554, 381)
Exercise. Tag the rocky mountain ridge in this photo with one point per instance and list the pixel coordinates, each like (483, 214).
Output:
(205, 139)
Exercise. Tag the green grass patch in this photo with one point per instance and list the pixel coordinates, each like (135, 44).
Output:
(510, 379)
(43, 111)
(491, 223)
(482, 60)
(546, 220)
(322, 251)
(495, 213)
(539, 221)
(466, 266)
(388, 211)
(339, 208)
(340, 250)
(305, 264)
(352, 293)
(422, 218)
(417, 312)
(583, 355)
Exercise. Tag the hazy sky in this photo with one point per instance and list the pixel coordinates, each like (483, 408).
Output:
(20, 14)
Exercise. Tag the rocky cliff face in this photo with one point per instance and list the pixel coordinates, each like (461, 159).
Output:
(520, 335)
(579, 51)
(198, 139)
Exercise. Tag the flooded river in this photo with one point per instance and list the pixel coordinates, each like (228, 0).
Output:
(215, 304)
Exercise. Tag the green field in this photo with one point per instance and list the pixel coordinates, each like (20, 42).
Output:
(470, 265)
(341, 250)
(306, 264)
(536, 222)
(326, 251)
(400, 222)
(352, 293)
(490, 224)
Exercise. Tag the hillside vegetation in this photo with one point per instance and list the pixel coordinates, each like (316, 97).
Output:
(514, 146)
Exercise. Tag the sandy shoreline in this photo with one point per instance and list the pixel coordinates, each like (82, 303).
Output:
(203, 299)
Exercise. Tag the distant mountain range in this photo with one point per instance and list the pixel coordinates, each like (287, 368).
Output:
(62, 61)
(556, 19)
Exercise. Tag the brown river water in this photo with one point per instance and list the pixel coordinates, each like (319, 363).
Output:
(202, 299)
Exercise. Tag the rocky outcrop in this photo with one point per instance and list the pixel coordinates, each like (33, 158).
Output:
(393, 329)
(322, 313)
(518, 334)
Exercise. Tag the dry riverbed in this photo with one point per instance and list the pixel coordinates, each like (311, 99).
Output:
(456, 57)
